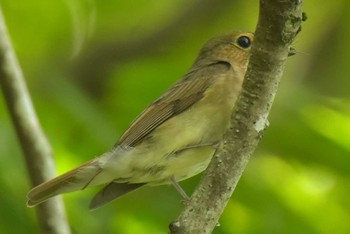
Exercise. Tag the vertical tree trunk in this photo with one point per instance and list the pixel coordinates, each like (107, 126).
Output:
(36, 149)
(279, 22)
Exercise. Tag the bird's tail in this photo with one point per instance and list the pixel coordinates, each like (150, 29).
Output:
(76, 179)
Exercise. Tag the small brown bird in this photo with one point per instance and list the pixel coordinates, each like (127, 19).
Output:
(175, 137)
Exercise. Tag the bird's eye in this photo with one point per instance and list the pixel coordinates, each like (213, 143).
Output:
(243, 41)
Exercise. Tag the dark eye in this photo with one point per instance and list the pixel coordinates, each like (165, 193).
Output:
(244, 41)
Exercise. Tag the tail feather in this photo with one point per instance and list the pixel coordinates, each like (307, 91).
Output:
(111, 192)
(76, 179)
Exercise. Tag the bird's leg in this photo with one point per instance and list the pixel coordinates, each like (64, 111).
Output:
(180, 190)
(215, 145)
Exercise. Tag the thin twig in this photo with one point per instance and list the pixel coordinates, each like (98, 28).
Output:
(35, 146)
(279, 22)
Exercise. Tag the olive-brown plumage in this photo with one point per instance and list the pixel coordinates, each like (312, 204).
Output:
(175, 137)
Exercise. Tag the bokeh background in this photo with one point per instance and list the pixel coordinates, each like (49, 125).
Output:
(92, 66)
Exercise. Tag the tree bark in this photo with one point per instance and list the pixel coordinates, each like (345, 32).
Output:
(279, 22)
(36, 149)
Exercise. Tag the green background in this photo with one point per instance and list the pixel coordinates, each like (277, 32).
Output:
(92, 66)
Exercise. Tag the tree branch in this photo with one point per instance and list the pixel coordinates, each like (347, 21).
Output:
(279, 22)
(35, 146)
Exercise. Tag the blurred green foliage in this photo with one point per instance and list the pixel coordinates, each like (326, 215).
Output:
(92, 66)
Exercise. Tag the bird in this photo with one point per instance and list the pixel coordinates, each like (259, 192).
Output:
(175, 137)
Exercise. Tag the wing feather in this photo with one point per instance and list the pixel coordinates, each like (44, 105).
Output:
(181, 96)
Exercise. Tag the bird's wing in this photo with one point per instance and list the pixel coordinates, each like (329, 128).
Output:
(174, 101)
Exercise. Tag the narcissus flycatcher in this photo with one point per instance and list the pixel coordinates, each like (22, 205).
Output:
(175, 137)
